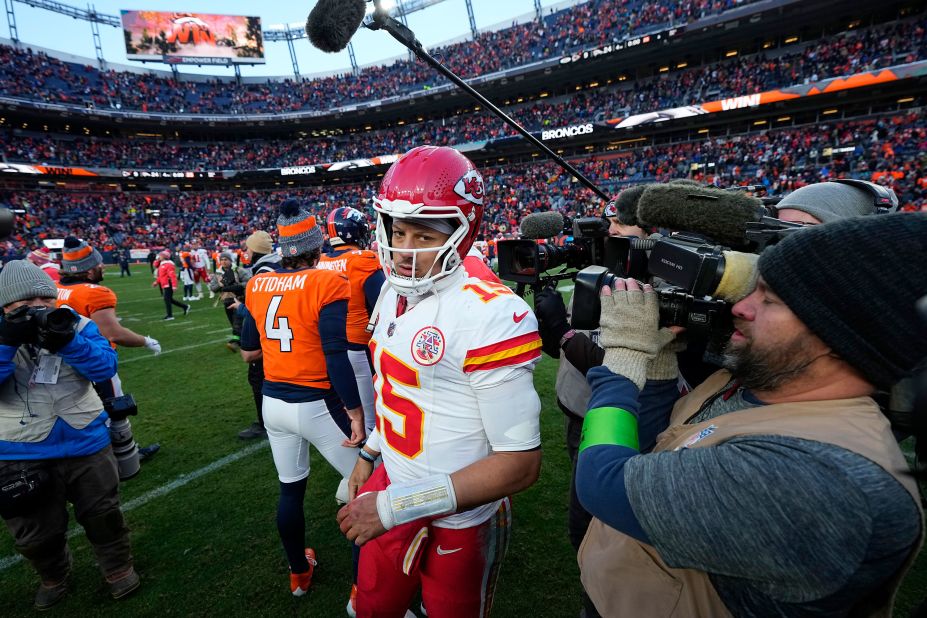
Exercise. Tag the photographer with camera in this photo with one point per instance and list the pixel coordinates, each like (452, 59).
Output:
(229, 282)
(79, 289)
(578, 350)
(263, 259)
(54, 443)
(778, 488)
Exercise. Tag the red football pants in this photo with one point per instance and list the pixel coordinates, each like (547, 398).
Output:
(456, 569)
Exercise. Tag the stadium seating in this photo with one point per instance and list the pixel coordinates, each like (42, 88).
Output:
(852, 53)
(888, 149)
(37, 76)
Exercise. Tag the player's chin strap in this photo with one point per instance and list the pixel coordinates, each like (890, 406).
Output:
(375, 314)
(407, 501)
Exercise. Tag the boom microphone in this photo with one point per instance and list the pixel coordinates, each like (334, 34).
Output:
(541, 225)
(332, 23)
(721, 215)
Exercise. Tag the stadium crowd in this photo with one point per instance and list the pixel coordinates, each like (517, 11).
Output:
(888, 150)
(31, 75)
(854, 52)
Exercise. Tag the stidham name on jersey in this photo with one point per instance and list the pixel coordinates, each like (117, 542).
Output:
(279, 284)
(337, 265)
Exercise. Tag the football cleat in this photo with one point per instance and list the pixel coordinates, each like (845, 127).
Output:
(300, 582)
(352, 602)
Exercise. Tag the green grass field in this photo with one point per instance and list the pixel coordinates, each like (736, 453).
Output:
(205, 541)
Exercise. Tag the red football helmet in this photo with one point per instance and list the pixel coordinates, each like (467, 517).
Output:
(430, 182)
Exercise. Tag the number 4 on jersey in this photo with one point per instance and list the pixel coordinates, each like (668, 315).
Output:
(278, 327)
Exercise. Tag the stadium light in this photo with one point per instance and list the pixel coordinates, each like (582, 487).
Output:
(906, 100)
(791, 39)
(827, 112)
(731, 53)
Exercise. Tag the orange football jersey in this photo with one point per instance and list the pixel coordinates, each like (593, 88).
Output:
(86, 298)
(285, 307)
(357, 265)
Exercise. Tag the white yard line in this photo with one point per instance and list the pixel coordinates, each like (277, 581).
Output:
(157, 492)
(171, 351)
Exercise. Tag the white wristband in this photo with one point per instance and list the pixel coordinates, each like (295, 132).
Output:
(403, 502)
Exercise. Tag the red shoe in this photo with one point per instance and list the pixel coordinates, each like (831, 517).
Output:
(300, 582)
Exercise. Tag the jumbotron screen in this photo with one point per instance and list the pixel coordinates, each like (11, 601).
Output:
(192, 38)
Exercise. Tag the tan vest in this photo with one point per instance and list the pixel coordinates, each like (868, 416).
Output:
(29, 411)
(625, 577)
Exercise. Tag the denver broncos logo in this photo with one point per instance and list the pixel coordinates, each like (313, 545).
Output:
(470, 187)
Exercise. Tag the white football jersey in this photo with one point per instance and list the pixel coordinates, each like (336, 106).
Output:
(200, 258)
(431, 361)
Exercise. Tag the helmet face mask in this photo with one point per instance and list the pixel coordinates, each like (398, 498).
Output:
(429, 183)
(446, 255)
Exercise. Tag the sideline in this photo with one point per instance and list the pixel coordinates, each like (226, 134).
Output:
(157, 492)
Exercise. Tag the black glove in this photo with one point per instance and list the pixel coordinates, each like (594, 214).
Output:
(57, 328)
(552, 319)
(17, 327)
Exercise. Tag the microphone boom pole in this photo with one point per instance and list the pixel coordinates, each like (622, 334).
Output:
(381, 20)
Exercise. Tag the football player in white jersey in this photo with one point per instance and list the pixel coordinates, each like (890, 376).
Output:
(457, 414)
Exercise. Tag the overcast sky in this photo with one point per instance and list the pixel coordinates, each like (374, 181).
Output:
(441, 22)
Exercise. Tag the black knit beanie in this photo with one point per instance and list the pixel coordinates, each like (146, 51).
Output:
(854, 283)
(624, 205)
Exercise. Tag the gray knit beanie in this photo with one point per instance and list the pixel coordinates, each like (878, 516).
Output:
(21, 280)
(297, 230)
(830, 201)
(855, 284)
(78, 257)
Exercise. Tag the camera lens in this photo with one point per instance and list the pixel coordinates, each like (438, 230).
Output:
(59, 319)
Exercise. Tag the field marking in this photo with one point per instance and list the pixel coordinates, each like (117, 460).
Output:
(157, 492)
(565, 288)
(172, 350)
(196, 327)
(219, 330)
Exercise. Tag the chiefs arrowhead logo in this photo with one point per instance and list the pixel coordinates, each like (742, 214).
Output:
(470, 187)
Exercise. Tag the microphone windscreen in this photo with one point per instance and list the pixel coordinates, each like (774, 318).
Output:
(541, 225)
(332, 23)
(720, 215)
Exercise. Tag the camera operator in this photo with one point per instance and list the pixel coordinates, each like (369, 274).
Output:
(778, 488)
(263, 259)
(229, 282)
(54, 443)
(580, 352)
(79, 289)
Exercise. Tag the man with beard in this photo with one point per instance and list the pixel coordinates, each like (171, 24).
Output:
(778, 488)
(79, 289)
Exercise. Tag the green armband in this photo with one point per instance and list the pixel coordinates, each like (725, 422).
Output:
(609, 426)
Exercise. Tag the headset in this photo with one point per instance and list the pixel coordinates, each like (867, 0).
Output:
(885, 200)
